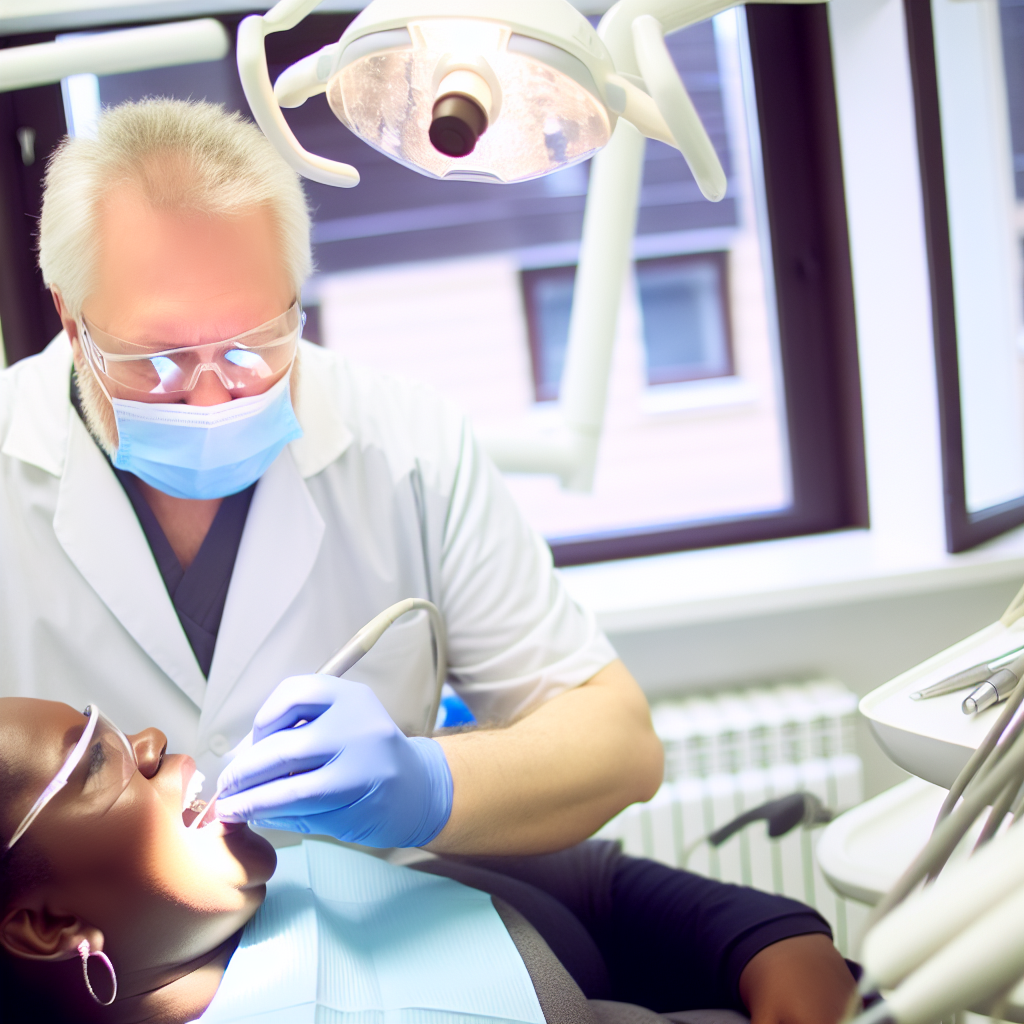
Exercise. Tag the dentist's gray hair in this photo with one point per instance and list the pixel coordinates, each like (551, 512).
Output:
(178, 155)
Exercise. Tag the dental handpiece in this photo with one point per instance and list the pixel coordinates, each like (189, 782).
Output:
(967, 677)
(347, 656)
(206, 811)
(995, 689)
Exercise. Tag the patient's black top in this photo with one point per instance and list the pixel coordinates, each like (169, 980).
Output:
(198, 593)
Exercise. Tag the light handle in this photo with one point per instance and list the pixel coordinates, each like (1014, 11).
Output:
(673, 101)
(252, 70)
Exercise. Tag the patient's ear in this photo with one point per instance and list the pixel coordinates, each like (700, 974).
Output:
(34, 933)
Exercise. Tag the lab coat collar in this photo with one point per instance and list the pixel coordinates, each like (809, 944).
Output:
(42, 412)
(99, 531)
(319, 410)
(38, 431)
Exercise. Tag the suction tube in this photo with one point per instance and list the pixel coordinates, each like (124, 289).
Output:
(361, 643)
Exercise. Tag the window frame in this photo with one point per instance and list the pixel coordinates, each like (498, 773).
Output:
(791, 61)
(790, 53)
(964, 529)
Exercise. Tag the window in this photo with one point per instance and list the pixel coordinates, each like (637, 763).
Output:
(684, 314)
(969, 91)
(547, 296)
(733, 407)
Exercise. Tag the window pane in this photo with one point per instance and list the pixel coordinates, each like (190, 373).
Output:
(683, 307)
(984, 246)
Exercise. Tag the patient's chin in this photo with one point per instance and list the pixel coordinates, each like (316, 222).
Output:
(252, 851)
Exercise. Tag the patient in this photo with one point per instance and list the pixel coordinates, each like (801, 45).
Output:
(170, 905)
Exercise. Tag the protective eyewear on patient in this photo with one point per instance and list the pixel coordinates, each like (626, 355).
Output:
(245, 364)
(98, 770)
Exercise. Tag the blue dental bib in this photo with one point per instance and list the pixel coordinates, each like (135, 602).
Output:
(345, 938)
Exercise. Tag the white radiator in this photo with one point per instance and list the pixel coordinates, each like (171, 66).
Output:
(732, 751)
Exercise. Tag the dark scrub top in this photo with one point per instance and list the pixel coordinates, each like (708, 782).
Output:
(198, 593)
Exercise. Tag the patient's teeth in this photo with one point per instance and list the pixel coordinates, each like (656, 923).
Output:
(192, 791)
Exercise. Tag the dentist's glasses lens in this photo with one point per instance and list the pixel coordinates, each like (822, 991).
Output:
(245, 364)
(96, 772)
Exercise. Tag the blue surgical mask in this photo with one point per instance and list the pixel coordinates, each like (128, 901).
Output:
(192, 451)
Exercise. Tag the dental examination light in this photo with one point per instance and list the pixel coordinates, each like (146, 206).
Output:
(504, 91)
(498, 91)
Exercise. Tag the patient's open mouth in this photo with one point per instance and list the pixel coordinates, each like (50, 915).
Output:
(190, 813)
(191, 804)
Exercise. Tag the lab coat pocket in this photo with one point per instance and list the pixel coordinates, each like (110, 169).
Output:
(400, 671)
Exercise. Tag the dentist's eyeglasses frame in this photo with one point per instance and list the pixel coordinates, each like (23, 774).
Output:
(246, 363)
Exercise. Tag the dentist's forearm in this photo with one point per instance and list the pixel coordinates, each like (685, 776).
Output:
(555, 776)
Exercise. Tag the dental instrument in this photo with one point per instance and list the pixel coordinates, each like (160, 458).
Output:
(967, 677)
(995, 689)
(959, 942)
(349, 654)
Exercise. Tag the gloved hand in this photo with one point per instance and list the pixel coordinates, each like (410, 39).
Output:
(348, 772)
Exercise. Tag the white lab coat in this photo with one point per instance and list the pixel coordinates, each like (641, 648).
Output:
(386, 496)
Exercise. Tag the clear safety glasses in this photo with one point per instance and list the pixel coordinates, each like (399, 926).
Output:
(98, 769)
(244, 364)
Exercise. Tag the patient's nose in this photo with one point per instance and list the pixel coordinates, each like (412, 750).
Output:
(149, 746)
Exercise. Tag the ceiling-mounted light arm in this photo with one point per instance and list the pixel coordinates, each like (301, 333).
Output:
(306, 78)
(113, 53)
(252, 70)
(609, 222)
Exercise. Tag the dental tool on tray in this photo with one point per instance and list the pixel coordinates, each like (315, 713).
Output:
(350, 653)
(970, 677)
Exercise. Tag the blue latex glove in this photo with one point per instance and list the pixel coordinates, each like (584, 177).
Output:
(349, 772)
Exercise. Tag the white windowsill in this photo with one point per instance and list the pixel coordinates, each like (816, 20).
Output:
(698, 395)
(714, 584)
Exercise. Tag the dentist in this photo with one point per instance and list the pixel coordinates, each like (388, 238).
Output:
(197, 508)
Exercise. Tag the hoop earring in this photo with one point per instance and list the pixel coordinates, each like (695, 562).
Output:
(84, 952)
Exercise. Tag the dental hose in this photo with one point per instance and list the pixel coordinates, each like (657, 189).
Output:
(978, 761)
(350, 653)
